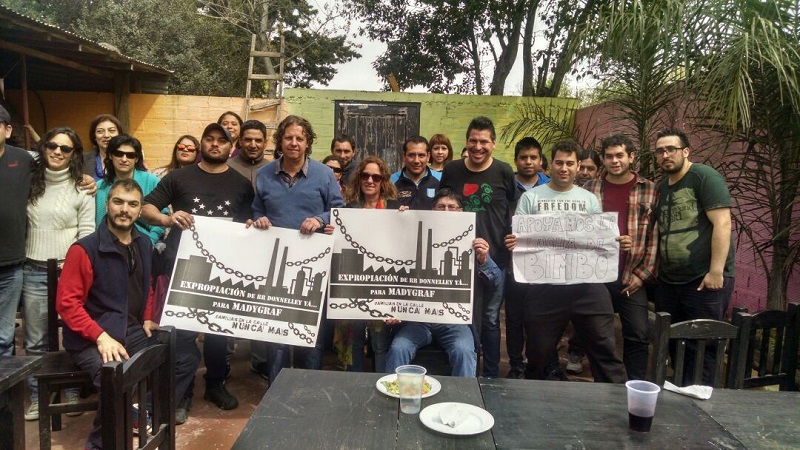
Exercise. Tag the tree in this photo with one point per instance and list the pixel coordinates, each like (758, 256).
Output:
(461, 46)
(207, 55)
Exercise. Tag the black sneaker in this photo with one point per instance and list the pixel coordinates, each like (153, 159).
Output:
(220, 396)
(182, 411)
(517, 373)
(259, 370)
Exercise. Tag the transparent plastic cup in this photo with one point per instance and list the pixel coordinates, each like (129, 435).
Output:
(642, 398)
(409, 382)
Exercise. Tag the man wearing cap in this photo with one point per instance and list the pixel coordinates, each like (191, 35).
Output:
(211, 189)
(15, 183)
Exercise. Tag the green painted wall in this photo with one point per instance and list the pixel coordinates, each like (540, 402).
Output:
(449, 114)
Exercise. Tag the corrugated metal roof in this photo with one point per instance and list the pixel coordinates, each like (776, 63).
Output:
(62, 60)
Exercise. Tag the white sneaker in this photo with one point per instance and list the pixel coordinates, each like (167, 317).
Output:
(33, 411)
(73, 399)
(575, 364)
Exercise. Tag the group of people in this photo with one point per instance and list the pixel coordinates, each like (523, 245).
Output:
(104, 243)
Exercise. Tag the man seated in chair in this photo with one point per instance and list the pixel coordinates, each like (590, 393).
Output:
(458, 341)
(105, 298)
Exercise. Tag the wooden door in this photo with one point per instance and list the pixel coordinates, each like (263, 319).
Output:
(378, 129)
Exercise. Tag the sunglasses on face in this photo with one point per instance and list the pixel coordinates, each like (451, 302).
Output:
(187, 148)
(336, 169)
(364, 176)
(52, 146)
(121, 154)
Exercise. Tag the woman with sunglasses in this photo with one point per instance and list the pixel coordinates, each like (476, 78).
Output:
(58, 215)
(184, 153)
(101, 130)
(337, 166)
(125, 161)
(369, 188)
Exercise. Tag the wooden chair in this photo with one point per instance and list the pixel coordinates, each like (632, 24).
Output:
(149, 374)
(704, 334)
(774, 339)
(58, 371)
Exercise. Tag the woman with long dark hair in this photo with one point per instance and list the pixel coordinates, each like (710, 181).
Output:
(125, 161)
(233, 123)
(184, 153)
(101, 130)
(58, 215)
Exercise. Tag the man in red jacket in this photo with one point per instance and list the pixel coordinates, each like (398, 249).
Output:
(105, 297)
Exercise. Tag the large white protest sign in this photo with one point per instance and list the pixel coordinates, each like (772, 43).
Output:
(566, 248)
(409, 265)
(267, 285)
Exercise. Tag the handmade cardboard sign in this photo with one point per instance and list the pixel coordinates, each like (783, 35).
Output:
(267, 285)
(407, 265)
(566, 248)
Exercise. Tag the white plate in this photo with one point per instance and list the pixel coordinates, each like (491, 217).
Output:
(478, 420)
(435, 385)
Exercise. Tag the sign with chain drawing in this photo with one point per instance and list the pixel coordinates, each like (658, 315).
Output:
(409, 265)
(566, 248)
(266, 285)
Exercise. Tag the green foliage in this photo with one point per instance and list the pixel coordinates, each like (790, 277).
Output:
(207, 54)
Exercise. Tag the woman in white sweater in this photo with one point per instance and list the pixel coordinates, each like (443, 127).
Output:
(58, 215)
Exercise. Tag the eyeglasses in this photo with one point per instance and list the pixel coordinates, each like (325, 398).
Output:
(105, 132)
(121, 154)
(441, 207)
(336, 169)
(187, 148)
(669, 150)
(364, 176)
(52, 146)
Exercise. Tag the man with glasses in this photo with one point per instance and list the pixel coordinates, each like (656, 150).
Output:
(212, 189)
(696, 256)
(487, 186)
(416, 184)
(15, 182)
(456, 340)
(252, 143)
(110, 317)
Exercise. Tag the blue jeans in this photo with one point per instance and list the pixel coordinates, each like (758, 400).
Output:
(491, 299)
(10, 291)
(456, 340)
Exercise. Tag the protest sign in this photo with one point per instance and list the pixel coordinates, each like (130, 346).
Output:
(566, 248)
(267, 285)
(408, 265)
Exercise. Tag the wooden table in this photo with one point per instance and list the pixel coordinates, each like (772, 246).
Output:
(344, 410)
(545, 414)
(13, 371)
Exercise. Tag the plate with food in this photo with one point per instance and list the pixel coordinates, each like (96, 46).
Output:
(388, 385)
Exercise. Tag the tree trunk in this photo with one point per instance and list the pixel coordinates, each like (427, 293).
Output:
(509, 54)
(527, 55)
(564, 62)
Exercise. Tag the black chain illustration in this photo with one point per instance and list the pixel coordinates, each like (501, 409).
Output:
(362, 249)
(238, 273)
(459, 314)
(202, 317)
(301, 335)
(362, 305)
(454, 240)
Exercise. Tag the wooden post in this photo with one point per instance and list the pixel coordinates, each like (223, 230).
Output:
(25, 118)
(122, 99)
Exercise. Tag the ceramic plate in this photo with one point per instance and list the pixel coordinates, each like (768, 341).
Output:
(435, 385)
(478, 419)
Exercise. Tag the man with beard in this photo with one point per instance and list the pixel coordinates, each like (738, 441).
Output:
(695, 265)
(487, 186)
(634, 199)
(250, 158)
(416, 184)
(212, 189)
(110, 317)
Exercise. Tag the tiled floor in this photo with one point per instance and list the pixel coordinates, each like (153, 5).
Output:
(209, 427)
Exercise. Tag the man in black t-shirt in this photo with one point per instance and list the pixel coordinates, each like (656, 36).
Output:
(212, 189)
(488, 187)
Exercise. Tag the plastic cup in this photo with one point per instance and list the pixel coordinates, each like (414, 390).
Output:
(642, 398)
(409, 382)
